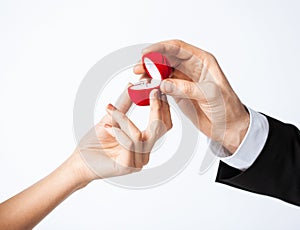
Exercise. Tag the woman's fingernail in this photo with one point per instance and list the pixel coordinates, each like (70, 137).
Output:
(167, 86)
(107, 126)
(164, 97)
(136, 67)
(110, 107)
(154, 94)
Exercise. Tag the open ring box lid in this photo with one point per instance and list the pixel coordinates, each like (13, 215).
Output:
(157, 68)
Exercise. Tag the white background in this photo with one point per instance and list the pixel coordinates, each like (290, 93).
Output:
(46, 48)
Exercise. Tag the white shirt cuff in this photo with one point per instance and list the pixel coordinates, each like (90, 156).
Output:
(251, 146)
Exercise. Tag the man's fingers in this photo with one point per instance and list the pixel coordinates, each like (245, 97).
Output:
(181, 88)
(182, 56)
(171, 48)
(175, 51)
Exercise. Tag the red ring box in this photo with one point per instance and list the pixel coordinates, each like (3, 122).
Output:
(157, 68)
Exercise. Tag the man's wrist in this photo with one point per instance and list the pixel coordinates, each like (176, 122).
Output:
(236, 131)
(251, 146)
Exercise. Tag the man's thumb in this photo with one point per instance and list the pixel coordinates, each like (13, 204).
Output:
(181, 88)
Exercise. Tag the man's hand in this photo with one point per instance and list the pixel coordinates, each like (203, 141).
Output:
(203, 93)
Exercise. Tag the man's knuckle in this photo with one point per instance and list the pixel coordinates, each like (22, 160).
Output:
(210, 58)
(177, 42)
(130, 145)
(187, 88)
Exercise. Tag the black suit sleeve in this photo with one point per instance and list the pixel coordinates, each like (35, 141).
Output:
(276, 171)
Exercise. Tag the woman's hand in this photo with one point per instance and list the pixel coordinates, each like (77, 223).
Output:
(203, 93)
(115, 146)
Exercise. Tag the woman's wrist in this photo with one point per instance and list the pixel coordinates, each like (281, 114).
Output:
(79, 171)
